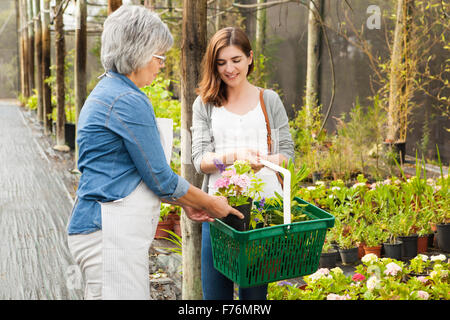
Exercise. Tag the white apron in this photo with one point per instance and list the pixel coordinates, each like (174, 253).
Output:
(128, 228)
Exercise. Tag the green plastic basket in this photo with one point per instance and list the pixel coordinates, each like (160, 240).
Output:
(260, 256)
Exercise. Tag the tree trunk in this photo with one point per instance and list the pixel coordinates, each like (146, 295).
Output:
(113, 5)
(60, 90)
(38, 58)
(313, 57)
(395, 75)
(80, 60)
(399, 85)
(192, 49)
(46, 89)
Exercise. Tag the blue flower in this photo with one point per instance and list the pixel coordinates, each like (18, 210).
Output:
(261, 204)
(219, 165)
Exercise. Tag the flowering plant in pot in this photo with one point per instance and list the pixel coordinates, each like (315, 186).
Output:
(374, 236)
(239, 184)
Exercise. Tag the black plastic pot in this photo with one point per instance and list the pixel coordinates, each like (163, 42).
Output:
(431, 240)
(328, 259)
(409, 247)
(443, 236)
(349, 256)
(69, 134)
(235, 222)
(400, 150)
(393, 250)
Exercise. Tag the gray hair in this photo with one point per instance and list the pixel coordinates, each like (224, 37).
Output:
(131, 35)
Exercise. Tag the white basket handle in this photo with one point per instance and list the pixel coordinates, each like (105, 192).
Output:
(286, 188)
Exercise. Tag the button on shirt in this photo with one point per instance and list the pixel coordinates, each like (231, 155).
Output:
(119, 145)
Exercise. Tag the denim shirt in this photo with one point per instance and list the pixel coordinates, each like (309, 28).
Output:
(119, 145)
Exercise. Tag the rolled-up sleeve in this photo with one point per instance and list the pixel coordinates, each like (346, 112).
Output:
(201, 134)
(133, 119)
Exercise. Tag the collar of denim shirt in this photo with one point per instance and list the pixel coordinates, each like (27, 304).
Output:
(124, 78)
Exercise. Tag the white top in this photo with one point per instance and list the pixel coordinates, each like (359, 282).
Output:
(232, 131)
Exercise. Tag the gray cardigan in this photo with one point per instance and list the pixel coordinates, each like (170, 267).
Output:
(203, 140)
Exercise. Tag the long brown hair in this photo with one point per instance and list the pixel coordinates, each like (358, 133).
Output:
(212, 89)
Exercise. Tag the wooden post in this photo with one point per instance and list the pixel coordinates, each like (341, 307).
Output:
(113, 5)
(313, 56)
(38, 58)
(30, 46)
(60, 90)
(149, 4)
(192, 49)
(80, 61)
(23, 51)
(260, 42)
(46, 89)
(19, 48)
(24, 45)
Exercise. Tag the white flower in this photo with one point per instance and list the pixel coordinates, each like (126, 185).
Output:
(333, 296)
(335, 188)
(321, 273)
(423, 257)
(311, 188)
(372, 283)
(320, 183)
(392, 269)
(439, 257)
(422, 279)
(387, 181)
(369, 258)
(337, 270)
(359, 184)
(423, 294)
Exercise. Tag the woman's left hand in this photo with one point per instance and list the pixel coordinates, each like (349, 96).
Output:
(197, 215)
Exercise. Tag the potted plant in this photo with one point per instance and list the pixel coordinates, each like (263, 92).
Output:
(175, 216)
(240, 186)
(442, 220)
(374, 237)
(407, 220)
(164, 224)
(424, 230)
(348, 249)
(329, 255)
(393, 247)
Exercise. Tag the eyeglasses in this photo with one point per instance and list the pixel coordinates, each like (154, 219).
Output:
(162, 59)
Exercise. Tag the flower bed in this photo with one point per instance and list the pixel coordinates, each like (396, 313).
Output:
(424, 278)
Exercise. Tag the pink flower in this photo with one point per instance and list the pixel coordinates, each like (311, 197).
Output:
(241, 181)
(229, 173)
(222, 183)
(358, 277)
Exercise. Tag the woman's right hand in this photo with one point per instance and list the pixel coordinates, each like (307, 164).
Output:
(250, 155)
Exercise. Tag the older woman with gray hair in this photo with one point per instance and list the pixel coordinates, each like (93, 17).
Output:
(124, 171)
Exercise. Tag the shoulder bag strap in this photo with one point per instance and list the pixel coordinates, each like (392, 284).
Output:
(269, 132)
